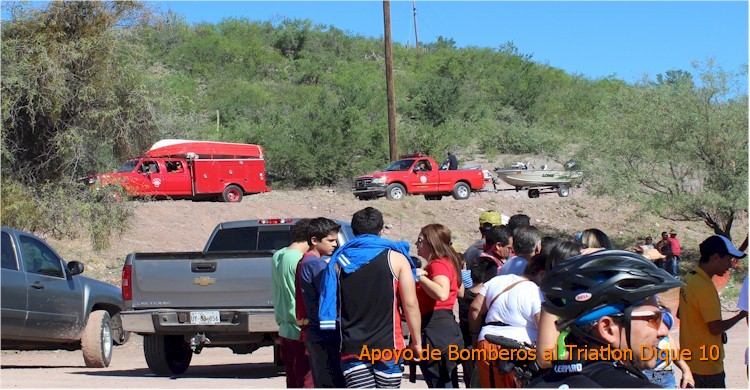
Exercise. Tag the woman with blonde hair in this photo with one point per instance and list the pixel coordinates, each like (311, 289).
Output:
(437, 291)
(592, 239)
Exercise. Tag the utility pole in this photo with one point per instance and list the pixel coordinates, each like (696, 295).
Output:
(392, 142)
(416, 35)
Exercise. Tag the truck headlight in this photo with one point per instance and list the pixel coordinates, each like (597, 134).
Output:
(378, 180)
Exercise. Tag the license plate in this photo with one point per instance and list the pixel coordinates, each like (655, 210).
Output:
(204, 317)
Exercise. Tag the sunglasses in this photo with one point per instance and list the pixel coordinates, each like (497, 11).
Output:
(654, 319)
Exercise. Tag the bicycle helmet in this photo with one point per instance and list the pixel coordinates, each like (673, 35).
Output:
(585, 288)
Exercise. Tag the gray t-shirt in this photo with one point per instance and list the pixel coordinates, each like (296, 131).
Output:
(471, 253)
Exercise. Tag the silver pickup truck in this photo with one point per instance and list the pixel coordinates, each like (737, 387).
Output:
(182, 302)
(48, 304)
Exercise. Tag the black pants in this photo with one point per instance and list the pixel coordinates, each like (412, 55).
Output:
(325, 363)
(709, 381)
(440, 330)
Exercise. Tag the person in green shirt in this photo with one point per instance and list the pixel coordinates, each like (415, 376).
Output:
(293, 352)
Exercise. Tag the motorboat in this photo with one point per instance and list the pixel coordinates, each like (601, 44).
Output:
(523, 176)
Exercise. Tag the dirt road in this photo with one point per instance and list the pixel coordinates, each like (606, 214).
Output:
(214, 369)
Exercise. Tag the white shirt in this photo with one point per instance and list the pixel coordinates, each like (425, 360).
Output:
(742, 300)
(515, 307)
(515, 265)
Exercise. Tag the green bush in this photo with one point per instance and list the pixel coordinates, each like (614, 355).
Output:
(64, 210)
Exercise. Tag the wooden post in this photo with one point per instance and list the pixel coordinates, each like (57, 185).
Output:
(392, 142)
(416, 34)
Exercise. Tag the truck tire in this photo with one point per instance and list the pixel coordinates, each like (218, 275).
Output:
(114, 194)
(232, 194)
(461, 191)
(563, 191)
(96, 341)
(166, 355)
(120, 336)
(395, 191)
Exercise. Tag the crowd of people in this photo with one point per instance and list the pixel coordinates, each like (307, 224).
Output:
(666, 253)
(590, 313)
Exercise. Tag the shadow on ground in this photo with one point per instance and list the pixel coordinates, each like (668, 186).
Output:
(225, 371)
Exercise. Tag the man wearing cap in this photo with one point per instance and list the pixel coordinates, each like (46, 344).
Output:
(701, 325)
(487, 220)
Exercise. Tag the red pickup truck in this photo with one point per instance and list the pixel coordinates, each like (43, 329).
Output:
(191, 170)
(418, 174)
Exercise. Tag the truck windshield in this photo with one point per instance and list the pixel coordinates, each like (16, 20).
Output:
(128, 166)
(400, 165)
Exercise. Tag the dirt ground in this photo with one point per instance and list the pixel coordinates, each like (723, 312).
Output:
(185, 225)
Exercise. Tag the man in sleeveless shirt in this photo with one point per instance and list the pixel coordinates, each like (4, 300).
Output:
(375, 283)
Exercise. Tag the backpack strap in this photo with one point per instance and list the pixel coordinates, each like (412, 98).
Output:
(506, 290)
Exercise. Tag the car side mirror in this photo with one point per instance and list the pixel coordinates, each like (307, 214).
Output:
(75, 268)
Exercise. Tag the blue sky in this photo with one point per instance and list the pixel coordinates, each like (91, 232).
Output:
(595, 39)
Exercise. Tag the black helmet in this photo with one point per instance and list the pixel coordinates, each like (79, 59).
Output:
(607, 278)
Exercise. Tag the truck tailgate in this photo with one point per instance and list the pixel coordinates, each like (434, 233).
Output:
(198, 280)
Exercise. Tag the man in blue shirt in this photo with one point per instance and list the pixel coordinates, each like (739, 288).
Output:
(323, 347)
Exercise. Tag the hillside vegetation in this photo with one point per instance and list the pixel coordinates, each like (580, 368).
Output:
(87, 84)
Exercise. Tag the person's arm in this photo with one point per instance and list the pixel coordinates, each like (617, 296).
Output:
(547, 338)
(687, 375)
(477, 312)
(719, 326)
(408, 292)
(438, 288)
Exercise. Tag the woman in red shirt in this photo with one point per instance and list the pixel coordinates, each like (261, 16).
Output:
(438, 288)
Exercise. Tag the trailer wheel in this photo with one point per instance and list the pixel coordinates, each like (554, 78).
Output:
(232, 194)
(96, 342)
(461, 191)
(395, 191)
(166, 355)
(563, 192)
(533, 193)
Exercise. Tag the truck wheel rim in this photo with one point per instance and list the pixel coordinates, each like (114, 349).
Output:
(462, 192)
(396, 193)
(107, 340)
(233, 195)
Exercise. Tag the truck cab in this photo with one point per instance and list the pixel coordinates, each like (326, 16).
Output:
(47, 304)
(155, 176)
